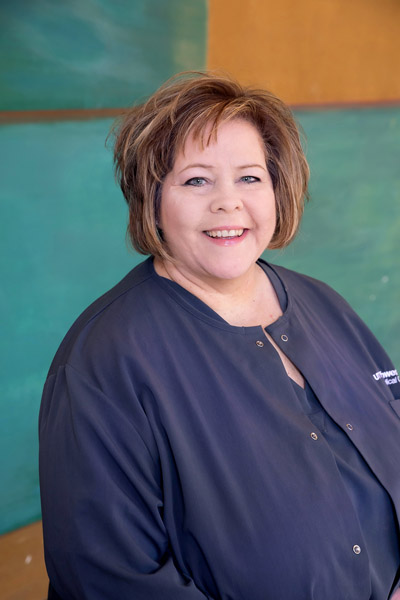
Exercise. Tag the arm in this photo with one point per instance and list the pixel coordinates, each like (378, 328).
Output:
(101, 498)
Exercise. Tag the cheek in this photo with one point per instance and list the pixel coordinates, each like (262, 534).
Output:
(167, 212)
(266, 210)
(173, 221)
(273, 210)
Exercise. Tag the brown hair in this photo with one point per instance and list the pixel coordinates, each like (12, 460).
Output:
(149, 136)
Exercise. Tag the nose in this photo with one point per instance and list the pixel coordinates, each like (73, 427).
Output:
(226, 199)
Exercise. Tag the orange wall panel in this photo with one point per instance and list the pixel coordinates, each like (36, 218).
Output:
(310, 51)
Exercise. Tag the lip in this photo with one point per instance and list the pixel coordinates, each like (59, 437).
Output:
(228, 227)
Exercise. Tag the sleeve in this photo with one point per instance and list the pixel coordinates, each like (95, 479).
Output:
(101, 496)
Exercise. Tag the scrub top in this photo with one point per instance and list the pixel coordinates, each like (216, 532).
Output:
(178, 463)
(372, 504)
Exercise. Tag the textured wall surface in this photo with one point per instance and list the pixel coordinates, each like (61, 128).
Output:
(62, 239)
(323, 53)
(310, 51)
(95, 53)
(63, 219)
(349, 236)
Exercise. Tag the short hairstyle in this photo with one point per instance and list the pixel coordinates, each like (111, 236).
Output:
(149, 136)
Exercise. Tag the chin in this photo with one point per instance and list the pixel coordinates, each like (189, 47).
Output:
(229, 272)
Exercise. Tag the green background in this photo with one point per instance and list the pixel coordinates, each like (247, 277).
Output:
(62, 245)
(63, 219)
(95, 53)
(350, 236)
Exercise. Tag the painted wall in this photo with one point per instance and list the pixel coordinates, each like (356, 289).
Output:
(323, 53)
(309, 51)
(94, 53)
(350, 236)
(62, 217)
(62, 224)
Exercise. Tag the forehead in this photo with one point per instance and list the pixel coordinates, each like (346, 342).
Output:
(229, 134)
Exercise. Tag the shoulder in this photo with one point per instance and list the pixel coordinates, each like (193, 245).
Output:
(319, 305)
(304, 289)
(323, 311)
(113, 320)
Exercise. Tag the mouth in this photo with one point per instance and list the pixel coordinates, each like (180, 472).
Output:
(225, 233)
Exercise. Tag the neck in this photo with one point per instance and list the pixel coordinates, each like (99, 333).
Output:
(208, 287)
(245, 301)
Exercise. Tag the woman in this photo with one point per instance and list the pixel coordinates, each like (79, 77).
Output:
(215, 426)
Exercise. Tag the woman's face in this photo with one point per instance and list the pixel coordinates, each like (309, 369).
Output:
(218, 205)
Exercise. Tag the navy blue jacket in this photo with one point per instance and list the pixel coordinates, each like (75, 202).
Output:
(176, 464)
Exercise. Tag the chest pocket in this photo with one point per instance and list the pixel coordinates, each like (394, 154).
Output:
(395, 404)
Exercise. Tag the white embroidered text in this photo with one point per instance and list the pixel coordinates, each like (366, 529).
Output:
(390, 377)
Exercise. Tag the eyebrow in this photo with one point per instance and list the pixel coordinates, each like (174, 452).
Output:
(252, 165)
(196, 165)
(203, 166)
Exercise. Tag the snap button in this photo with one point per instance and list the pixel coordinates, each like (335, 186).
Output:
(356, 549)
(284, 338)
(259, 343)
(314, 436)
(349, 426)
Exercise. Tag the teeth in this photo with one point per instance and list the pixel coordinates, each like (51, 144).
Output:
(224, 233)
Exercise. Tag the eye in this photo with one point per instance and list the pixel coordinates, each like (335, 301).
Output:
(249, 179)
(196, 181)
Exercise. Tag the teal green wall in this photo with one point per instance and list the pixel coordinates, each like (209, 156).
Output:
(350, 236)
(62, 244)
(95, 53)
(63, 220)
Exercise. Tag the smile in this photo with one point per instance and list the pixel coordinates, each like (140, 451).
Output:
(225, 233)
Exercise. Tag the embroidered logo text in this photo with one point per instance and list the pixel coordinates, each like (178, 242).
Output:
(389, 377)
